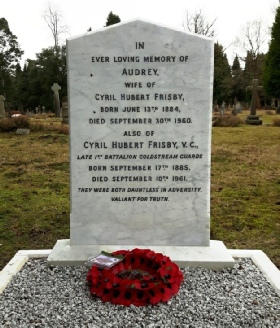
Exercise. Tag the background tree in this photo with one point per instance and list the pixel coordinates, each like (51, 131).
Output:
(17, 102)
(250, 43)
(197, 23)
(272, 62)
(254, 67)
(33, 83)
(253, 70)
(253, 37)
(49, 67)
(222, 75)
(53, 18)
(238, 84)
(10, 55)
(112, 19)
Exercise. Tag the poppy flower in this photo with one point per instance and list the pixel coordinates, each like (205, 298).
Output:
(143, 277)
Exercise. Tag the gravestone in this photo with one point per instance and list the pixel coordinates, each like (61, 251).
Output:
(64, 102)
(2, 107)
(253, 119)
(140, 98)
(23, 131)
(55, 88)
(275, 104)
(216, 108)
(222, 109)
(238, 107)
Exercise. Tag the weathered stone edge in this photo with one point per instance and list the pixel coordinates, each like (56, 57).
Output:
(17, 262)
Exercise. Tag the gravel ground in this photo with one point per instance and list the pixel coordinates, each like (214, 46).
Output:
(42, 296)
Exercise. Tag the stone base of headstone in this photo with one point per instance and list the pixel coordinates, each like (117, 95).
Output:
(253, 120)
(215, 256)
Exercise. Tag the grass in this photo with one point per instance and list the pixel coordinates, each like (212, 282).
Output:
(34, 197)
(264, 116)
(267, 116)
(245, 189)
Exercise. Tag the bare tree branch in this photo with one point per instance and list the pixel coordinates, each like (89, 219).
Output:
(53, 18)
(253, 37)
(197, 23)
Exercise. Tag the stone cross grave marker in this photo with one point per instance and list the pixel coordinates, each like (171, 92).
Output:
(140, 102)
(55, 88)
(2, 107)
(255, 88)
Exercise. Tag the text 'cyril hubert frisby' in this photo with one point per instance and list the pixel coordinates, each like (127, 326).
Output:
(133, 144)
(156, 96)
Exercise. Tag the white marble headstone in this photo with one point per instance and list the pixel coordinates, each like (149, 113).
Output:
(140, 98)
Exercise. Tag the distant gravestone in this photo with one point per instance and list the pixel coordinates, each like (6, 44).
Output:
(222, 109)
(64, 102)
(216, 107)
(55, 88)
(238, 107)
(275, 104)
(140, 105)
(2, 108)
(253, 119)
(234, 105)
(23, 131)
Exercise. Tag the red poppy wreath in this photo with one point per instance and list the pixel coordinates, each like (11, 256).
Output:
(142, 277)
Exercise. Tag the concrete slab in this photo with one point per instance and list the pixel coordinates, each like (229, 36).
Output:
(215, 256)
